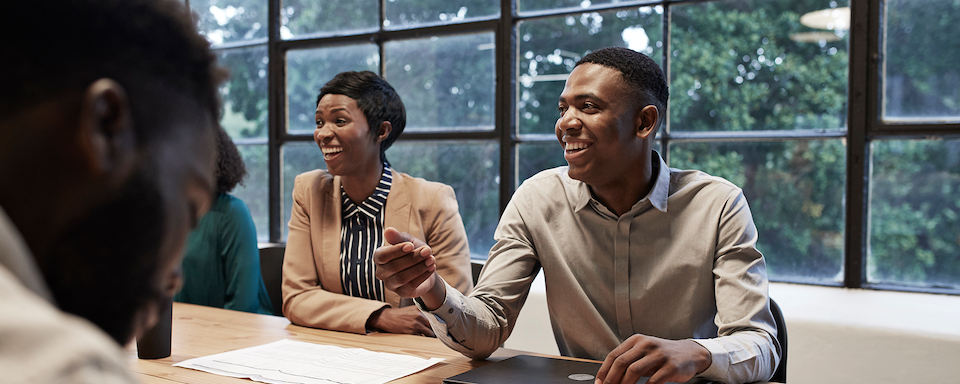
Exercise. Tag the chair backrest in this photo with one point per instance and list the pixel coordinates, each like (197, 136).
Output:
(475, 267)
(780, 375)
(271, 267)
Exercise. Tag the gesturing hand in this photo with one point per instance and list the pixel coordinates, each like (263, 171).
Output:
(405, 264)
(660, 359)
(406, 320)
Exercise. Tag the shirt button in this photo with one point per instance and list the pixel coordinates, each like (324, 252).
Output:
(450, 311)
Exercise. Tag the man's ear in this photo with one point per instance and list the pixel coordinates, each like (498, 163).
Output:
(106, 135)
(384, 131)
(647, 121)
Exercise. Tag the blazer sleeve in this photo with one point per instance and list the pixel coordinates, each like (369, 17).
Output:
(448, 240)
(305, 300)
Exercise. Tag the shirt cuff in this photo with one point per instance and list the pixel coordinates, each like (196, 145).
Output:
(448, 316)
(720, 359)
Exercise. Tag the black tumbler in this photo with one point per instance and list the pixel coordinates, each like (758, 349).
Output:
(155, 342)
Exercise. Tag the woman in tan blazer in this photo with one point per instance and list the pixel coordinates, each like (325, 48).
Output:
(338, 217)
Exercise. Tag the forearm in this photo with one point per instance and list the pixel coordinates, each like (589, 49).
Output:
(466, 325)
(318, 308)
(743, 357)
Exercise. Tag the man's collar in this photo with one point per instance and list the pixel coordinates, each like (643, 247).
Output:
(15, 256)
(658, 194)
(661, 187)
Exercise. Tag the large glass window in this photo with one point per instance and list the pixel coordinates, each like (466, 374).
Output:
(845, 190)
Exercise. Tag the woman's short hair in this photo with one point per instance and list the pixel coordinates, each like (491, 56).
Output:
(375, 97)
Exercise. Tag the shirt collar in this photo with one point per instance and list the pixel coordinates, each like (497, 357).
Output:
(657, 195)
(372, 206)
(15, 257)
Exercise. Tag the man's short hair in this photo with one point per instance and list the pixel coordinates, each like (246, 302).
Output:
(375, 97)
(643, 75)
(150, 47)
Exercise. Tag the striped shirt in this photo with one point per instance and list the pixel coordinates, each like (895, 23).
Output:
(361, 232)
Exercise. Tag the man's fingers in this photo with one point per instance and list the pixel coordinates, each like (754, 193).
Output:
(410, 278)
(392, 236)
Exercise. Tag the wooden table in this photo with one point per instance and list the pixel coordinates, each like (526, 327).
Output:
(200, 331)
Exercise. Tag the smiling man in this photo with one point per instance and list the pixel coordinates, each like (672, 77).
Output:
(652, 269)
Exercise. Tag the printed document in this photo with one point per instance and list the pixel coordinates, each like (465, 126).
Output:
(288, 361)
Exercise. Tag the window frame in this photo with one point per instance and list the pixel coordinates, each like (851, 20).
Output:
(864, 123)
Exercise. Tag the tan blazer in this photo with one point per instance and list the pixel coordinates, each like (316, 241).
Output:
(312, 293)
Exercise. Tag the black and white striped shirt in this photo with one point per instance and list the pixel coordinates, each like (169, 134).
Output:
(361, 232)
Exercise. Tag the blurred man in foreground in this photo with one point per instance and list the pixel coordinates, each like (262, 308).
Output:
(652, 269)
(107, 122)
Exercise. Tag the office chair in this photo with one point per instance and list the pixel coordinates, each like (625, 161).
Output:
(780, 375)
(271, 268)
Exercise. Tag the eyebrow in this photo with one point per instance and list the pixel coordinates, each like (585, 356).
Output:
(584, 96)
(337, 109)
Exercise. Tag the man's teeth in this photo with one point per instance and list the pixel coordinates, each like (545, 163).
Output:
(577, 145)
(327, 151)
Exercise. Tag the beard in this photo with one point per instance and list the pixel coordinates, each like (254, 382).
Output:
(105, 268)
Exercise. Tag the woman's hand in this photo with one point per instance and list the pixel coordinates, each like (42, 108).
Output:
(406, 320)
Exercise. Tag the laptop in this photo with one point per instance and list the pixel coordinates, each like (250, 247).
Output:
(529, 369)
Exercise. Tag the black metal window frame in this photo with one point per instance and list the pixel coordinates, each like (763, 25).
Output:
(863, 120)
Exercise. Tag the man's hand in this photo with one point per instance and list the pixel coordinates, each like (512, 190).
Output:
(660, 359)
(406, 320)
(406, 266)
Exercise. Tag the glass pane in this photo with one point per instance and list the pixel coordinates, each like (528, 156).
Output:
(298, 157)
(228, 21)
(535, 157)
(471, 168)
(921, 77)
(446, 83)
(753, 65)
(915, 213)
(304, 18)
(537, 5)
(308, 70)
(407, 14)
(254, 190)
(795, 190)
(245, 93)
(549, 48)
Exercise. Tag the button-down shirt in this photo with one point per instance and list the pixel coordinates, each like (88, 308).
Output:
(361, 232)
(680, 264)
(38, 342)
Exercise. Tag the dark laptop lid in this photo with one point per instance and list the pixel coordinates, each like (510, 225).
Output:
(529, 369)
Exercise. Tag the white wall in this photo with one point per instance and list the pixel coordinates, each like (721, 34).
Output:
(836, 335)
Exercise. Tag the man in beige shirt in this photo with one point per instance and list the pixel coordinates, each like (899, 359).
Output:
(652, 269)
(107, 122)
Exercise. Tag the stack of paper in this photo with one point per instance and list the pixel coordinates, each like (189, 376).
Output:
(289, 361)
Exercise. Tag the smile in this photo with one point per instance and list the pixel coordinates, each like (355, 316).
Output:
(329, 152)
(577, 146)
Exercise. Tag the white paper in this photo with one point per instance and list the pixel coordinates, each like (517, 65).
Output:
(287, 361)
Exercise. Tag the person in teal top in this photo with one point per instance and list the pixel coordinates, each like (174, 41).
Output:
(221, 263)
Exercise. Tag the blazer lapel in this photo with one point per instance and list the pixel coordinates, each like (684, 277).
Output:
(397, 215)
(329, 250)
